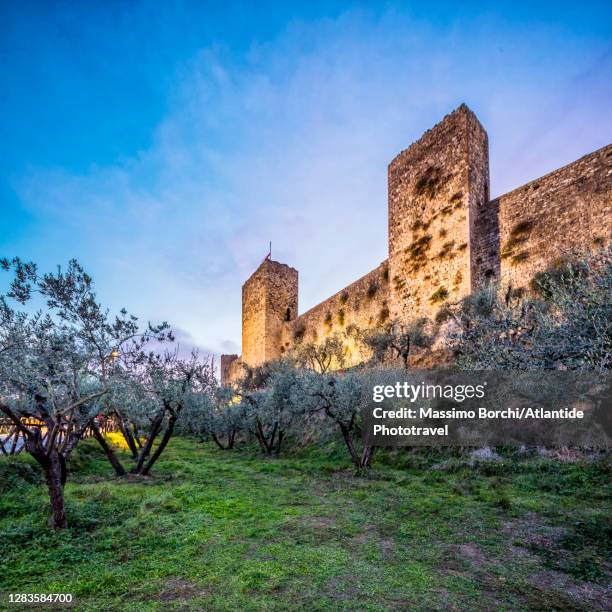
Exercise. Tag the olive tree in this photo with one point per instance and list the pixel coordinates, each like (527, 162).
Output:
(340, 397)
(50, 390)
(153, 396)
(268, 400)
(226, 419)
(396, 341)
(565, 323)
(59, 363)
(323, 356)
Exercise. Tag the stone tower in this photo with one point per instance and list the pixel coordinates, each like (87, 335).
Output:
(438, 187)
(269, 301)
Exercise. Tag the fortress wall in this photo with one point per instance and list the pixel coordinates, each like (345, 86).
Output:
(568, 209)
(437, 189)
(362, 305)
(481, 232)
(445, 239)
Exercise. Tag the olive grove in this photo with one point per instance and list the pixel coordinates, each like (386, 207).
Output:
(67, 367)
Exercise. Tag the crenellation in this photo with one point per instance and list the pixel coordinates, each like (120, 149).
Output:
(446, 238)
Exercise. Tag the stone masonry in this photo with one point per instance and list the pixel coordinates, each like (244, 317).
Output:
(446, 238)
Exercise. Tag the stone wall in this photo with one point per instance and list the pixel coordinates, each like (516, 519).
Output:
(227, 367)
(567, 210)
(362, 305)
(445, 239)
(437, 188)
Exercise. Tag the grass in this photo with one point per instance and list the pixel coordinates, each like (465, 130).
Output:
(215, 530)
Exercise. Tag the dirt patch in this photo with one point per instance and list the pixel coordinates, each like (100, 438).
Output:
(472, 553)
(371, 534)
(310, 529)
(178, 588)
(338, 589)
(551, 587)
(541, 586)
(529, 530)
(319, 522)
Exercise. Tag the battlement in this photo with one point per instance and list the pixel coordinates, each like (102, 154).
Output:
(446, 238)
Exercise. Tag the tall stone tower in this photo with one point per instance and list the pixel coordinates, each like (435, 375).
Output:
(438, 188)
(269, 301)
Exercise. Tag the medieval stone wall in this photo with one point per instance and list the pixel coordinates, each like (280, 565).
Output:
(228, 367)
(363, 305)
(567, 210)
(445, 239)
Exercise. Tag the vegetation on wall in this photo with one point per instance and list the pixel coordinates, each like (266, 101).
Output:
(420, 225)
(457, 197)
(446, 252)
(298, 332)
(417, 252)
(519, 234)
(372, 290)
(439, 295)
(430, 182)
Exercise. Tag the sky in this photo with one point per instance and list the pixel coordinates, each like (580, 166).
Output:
(164, 144)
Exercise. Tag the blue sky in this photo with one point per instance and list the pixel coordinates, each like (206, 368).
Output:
(163, 144)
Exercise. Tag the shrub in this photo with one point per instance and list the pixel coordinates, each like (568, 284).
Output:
(439, 295)
(568, 325)
(443, 314)
(560, 271)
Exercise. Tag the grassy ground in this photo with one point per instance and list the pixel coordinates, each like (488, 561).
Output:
(213, 530)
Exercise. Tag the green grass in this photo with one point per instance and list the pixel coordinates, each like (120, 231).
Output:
(214, 530)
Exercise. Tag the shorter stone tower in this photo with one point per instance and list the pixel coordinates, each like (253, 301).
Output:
(269, 301)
